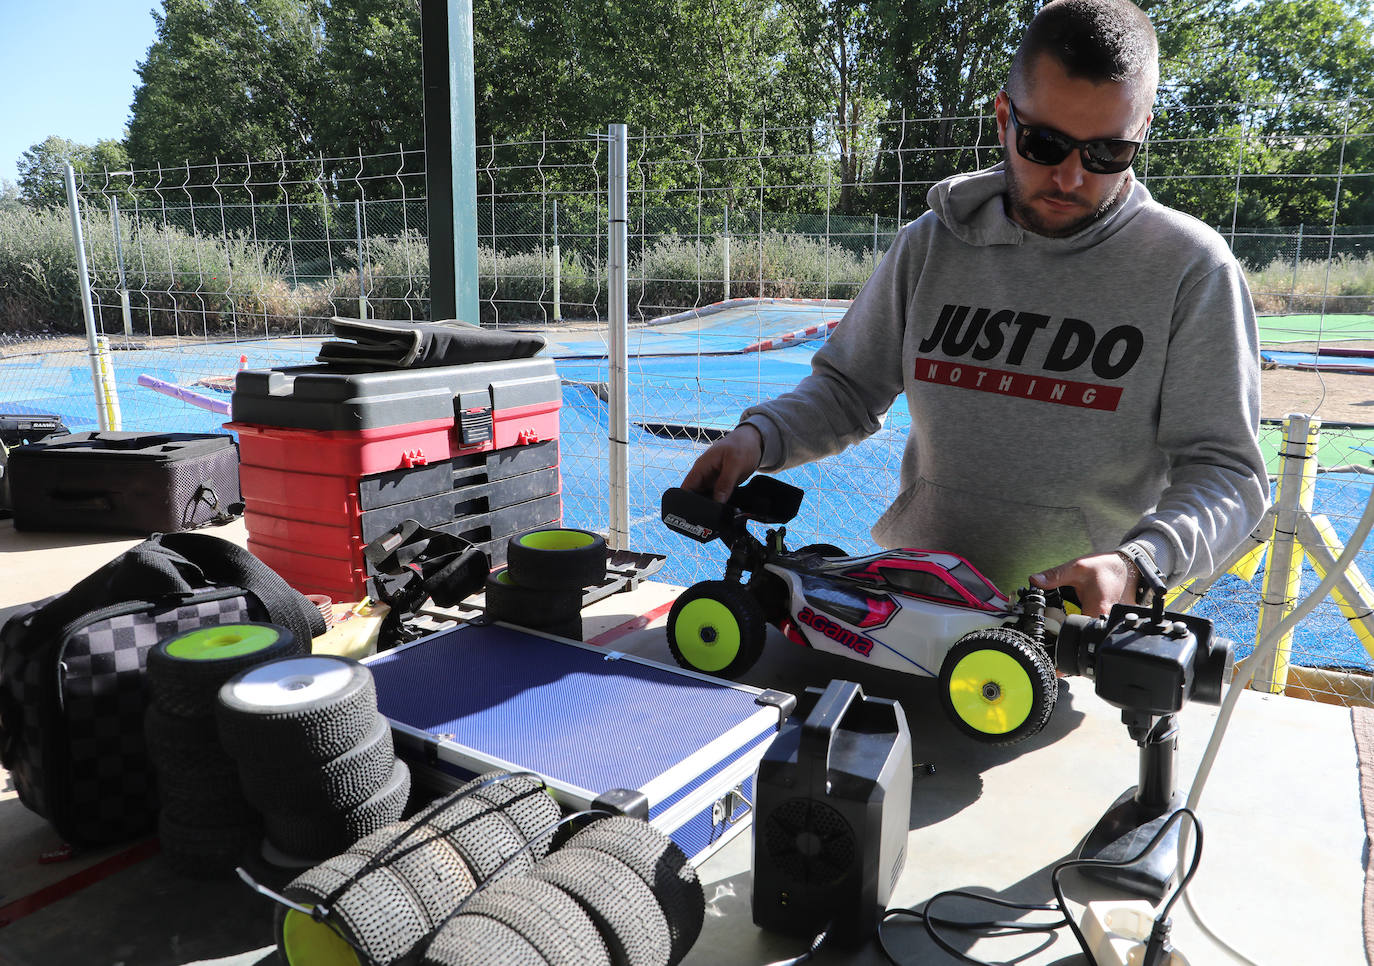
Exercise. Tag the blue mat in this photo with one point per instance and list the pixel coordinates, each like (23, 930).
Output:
(1319, 360)
(725, 330)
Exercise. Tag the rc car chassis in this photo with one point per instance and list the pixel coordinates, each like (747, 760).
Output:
(916, 611)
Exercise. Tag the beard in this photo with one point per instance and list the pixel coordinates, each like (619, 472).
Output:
(1019, 204)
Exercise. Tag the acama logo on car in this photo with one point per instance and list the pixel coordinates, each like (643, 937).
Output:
(843, 635)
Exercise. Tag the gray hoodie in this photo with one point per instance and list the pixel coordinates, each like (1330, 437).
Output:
(1067, 395)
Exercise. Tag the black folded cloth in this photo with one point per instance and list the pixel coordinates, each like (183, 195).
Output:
(382, 344)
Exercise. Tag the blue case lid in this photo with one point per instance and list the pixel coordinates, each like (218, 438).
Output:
(563, 711)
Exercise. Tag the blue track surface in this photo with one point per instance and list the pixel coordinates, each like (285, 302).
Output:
(1319, 360)
(675, 389)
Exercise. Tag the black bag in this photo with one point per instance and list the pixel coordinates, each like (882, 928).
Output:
(124, 482)
(72, 692)
(387, 344)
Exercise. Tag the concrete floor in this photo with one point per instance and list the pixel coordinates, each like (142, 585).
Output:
(1281, 877)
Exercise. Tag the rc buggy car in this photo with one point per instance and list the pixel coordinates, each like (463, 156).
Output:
(916, 611)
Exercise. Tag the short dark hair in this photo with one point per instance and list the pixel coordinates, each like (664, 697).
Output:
(1096, 40)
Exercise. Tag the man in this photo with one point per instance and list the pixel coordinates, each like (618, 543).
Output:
(1080, 362)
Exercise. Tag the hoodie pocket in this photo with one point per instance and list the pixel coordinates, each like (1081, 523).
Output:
(1006, 539)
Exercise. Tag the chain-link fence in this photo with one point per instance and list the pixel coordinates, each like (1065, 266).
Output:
(197, 269)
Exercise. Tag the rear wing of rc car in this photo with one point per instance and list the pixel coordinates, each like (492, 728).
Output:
(763, 498)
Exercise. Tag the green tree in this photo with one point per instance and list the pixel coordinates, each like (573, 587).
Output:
(1261, 106)
(833, 32)
(42, 181)
(227, 79)
(372, 99)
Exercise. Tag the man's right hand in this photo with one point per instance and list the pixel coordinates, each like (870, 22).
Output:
(726, 463)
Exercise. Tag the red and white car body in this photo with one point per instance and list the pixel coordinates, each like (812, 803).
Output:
(898, 609)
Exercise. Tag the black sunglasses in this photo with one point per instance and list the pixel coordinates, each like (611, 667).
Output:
(1045, 145)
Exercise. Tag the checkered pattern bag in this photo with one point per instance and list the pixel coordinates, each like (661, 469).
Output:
(72, 693)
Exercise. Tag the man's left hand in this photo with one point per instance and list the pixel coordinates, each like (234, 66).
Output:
(1100, 580)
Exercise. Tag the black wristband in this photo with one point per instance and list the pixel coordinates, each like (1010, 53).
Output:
(1150, 579)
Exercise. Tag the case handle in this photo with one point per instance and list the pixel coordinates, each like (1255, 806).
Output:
(818, 730)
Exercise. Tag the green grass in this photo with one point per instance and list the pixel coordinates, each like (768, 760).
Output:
(1344, 285)
(181, 282)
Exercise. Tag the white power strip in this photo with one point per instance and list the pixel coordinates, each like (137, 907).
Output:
(1117, 931)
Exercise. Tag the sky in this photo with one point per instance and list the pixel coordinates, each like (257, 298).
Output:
(67, 67)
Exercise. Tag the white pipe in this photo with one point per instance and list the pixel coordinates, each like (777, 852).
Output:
(106, 399)
(1270, 641)
(618, 536)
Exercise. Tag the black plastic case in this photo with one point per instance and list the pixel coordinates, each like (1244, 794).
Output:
(123, 482)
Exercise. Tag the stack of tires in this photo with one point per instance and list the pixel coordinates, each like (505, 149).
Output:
(205, 822)
(470, 881)
(313, 754)
(542, 583)
(388, 892)
(620, 892)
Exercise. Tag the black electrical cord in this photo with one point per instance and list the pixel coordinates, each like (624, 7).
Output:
(1003, 927)
(1061, 903)
(1102, 863)
(816, 944)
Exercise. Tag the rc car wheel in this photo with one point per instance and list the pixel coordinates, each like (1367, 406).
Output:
(529, 606)
(520, 798)
(661, 865)
(998, 686)
(549, 919)
(334, 785)
(556, 558)
(716, 627)
(479, 941)
(370, 908)
(426, 861)
(185, 672)
(204, 851)
(298, 710)
(771, 592)
(622, 905)
(320, 833)
(485, 836)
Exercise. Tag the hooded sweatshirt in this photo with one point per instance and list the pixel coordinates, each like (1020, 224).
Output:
(1067, 395)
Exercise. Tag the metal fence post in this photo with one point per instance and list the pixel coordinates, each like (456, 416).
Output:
(725, 254)
(1297, 261)
(102, 378)
(619, 296)
(557, 269)
(119, 261)
(362, 259)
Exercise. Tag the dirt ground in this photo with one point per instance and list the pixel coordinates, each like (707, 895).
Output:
(1334, 397)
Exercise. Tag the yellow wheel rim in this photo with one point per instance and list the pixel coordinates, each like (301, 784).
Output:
(309, 943)
(222, 641)
(991, 692)
(557, 540)
(707, 634)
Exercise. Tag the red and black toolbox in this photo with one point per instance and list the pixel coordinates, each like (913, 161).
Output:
(123, 482)
(332, 458)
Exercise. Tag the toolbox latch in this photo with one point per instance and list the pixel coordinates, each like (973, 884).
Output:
(472, 411)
